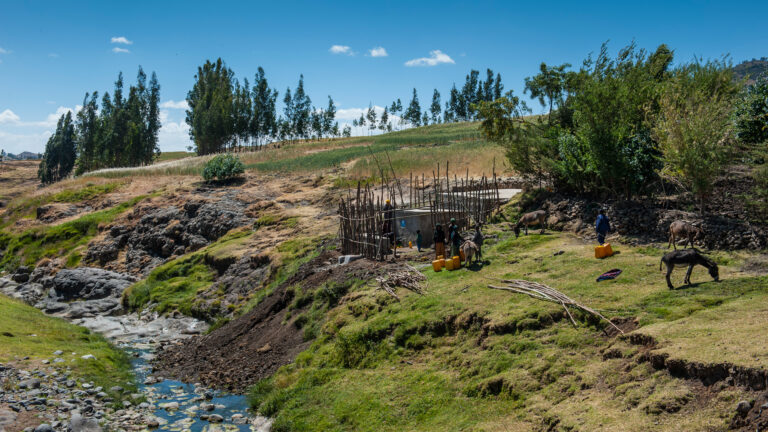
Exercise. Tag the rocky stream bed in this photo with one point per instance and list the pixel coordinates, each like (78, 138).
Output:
(49, 398)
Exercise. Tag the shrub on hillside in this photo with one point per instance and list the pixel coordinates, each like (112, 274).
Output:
(223, 167)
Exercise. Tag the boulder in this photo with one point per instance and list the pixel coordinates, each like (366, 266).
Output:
(87, 283)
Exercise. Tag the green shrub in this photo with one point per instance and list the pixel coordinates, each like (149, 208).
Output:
(223, 167)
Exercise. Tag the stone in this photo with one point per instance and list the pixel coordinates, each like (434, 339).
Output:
(32, 383)
(743, 407)
(88, 357)
(169, 406)
(215, 418)
(45, 427)
(78, 423)
(207, 406)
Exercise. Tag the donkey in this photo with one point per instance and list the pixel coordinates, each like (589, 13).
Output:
(533, 218)
(682, 229)
(470, 250)
(689, 257)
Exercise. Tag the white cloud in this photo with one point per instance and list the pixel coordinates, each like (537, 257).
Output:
(9, 117)
(341, 49)
(435, 58)
(53, 55)
(4, 51)
(17, 143)
(17, 135)
(175, 105)
(121, 40)
(173, 136)
(378, 52)
(120, 50)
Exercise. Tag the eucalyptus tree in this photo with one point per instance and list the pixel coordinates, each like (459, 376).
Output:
(435, 107)
(210, 104)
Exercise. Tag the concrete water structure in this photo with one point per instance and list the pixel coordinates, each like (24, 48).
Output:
(411, 220)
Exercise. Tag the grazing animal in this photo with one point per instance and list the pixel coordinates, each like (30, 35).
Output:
(478, 239)
(533, 218)
(682, 229)
(470, 250)
(689, 257)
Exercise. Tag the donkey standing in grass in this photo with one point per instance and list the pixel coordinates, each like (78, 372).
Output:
(531, 219)
(682, 229)
(689, 257)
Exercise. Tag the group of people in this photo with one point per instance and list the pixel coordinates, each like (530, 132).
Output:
(453, 238)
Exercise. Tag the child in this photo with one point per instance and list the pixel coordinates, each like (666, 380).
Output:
(418, 240)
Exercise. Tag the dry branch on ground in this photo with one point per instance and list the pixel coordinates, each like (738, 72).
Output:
(544, 292)
(408, 278)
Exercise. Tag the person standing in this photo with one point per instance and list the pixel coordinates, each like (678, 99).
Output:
(455, 238)
(439, 239)
(602, 226)
(418, 240)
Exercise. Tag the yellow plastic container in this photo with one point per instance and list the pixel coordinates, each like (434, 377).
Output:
(410, 244)
(449, 264)
(603, 251)
(442, 262)
(456, 262)
(436, 265)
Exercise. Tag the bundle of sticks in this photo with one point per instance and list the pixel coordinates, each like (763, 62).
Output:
(408, 278)
(544, 292)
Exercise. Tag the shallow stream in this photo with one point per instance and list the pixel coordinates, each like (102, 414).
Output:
(177, 406)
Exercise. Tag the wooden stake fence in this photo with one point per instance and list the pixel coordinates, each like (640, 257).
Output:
(363, 219)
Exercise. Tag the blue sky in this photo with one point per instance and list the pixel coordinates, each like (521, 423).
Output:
(51, 53)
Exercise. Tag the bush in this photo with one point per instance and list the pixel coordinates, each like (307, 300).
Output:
(223, 167)
(752, 112)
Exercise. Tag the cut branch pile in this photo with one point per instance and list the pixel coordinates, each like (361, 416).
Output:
(544, 292)
(409, 278)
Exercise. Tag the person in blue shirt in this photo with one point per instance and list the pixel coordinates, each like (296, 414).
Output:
(602, 226)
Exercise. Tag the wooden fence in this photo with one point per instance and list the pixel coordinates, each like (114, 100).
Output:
(367, 227)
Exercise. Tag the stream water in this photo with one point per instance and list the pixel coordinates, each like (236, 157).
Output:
(177, 406)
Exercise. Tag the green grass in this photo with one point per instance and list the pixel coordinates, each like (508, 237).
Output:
(63, 240)
(27, 332)
(176, 285)
(465, 357)
(320, 160)
(169, 156)
(25, 206)
(307, 156)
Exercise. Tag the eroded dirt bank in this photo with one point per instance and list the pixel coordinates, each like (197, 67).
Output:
(255, 345)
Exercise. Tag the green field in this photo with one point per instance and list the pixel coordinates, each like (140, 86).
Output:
(466, 357)
(27, 332)
(437, 142)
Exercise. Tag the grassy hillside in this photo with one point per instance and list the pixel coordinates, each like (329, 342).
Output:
(465, 357)
(435, 143)
(27, 332)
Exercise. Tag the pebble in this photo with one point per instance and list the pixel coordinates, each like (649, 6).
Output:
(169, 406)
(58, 352)
(215, 418)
